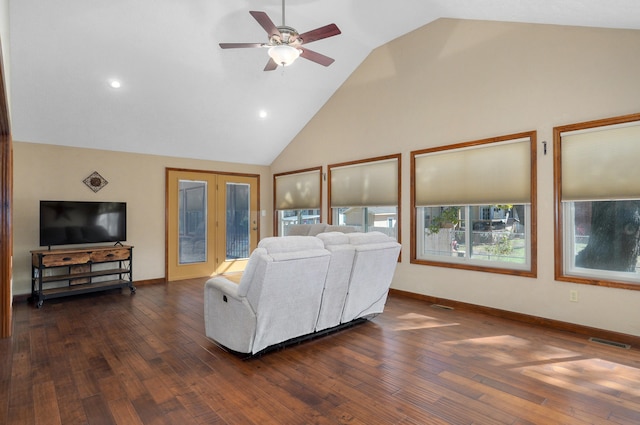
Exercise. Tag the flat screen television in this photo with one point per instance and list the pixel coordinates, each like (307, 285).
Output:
(82, 222)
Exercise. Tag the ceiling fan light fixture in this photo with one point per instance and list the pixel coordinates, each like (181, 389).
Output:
(285, 43)
(283, 54)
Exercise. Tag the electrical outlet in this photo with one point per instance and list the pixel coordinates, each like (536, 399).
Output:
(573, 296)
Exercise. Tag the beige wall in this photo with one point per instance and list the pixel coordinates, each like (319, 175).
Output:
(56, 173)
(454, 81)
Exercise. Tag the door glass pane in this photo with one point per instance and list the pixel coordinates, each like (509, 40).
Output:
(192, 225)
(237, 221)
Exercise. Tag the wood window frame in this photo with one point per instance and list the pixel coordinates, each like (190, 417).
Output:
(559, 272)
(397, 157)
(533, 243)
(288, 173)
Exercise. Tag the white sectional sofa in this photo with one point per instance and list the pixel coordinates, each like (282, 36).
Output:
(298, 286)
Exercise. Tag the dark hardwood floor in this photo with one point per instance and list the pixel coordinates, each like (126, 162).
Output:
(143, 359)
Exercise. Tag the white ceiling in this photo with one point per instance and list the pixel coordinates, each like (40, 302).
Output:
(183, 96)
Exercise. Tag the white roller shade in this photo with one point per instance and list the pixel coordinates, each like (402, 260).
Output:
(365, 184)
(298, 191)
(490, 174)
(601, 164)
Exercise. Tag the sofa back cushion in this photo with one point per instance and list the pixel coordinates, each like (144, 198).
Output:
(333, 238)
(286, 248)
(337, 282)
(376, 257)
(283, 284)
(279, 244)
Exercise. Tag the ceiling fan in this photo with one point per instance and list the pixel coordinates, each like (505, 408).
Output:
(286, 44)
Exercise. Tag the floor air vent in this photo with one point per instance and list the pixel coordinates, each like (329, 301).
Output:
(611, 343)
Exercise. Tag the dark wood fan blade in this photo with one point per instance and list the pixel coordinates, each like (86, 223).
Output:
(320, 33)
(316, 57)
(265, 22)
(271, 65)
(240, 45)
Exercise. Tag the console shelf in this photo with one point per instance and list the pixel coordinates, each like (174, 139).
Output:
(65, 272)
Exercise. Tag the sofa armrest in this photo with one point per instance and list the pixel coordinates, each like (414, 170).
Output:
(228, 317)
(224, 286)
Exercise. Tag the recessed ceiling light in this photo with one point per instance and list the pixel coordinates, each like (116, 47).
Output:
(115, 84)
(263, 114)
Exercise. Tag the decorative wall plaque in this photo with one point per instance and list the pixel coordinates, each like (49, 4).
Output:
(95, 181)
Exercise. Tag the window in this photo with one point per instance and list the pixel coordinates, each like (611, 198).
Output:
(366, 194)
(297, 198)
(472, 205)
(597, 182)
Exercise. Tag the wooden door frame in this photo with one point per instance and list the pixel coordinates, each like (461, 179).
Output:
(6, 206)
(167, 206)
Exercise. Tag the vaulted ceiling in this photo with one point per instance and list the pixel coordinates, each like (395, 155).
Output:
(182, 95)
